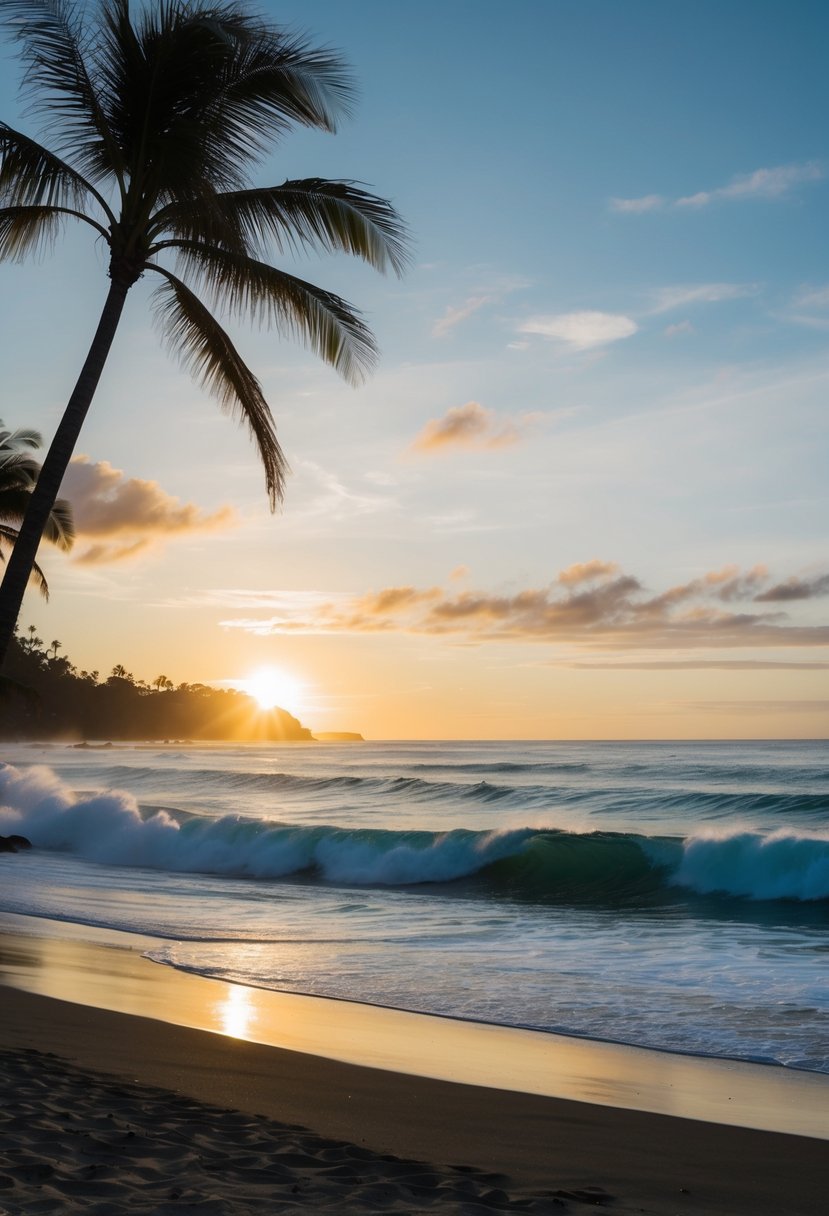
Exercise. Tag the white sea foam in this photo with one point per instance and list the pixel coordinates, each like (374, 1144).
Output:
(609, 908)
(781, 865)
(109, 827)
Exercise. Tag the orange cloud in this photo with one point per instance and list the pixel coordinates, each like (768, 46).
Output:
(592, 604)
(470, 426)
(585, 572)
(120, 517)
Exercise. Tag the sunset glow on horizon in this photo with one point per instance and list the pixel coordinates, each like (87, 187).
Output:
(271, 687)
(583, 494)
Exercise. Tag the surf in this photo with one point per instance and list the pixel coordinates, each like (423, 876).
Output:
(547, 865)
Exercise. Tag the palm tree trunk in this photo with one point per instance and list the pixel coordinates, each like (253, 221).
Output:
(43, 497)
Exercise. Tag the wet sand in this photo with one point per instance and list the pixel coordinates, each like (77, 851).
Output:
(134, 1112)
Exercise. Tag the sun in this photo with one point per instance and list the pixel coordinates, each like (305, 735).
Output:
(271, 687)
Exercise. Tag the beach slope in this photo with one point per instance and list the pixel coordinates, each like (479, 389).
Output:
(133, 1112)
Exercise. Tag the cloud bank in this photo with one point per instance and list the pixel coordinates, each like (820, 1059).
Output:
(119, 517)
(593, 604)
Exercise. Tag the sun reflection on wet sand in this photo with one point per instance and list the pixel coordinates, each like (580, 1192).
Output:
(236, 1012)
(119, 979)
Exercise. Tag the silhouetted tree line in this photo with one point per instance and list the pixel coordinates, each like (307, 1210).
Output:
(44, 696)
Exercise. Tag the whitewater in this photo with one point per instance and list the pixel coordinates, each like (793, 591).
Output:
(671, 895)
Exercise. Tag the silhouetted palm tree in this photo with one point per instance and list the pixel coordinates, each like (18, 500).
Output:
(157, 121)
(18, 477)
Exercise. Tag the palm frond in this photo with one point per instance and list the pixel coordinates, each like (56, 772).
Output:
(334, 216)
(159, 75)
(17, 468)
(32, 230)
(23, 437)
(37, 577)
(30, 175)
(205, 349)
(60, 526)
(53, 46)
(14, 499)
(19, 472)
(275, 79)
(204, 90)
(323, 321)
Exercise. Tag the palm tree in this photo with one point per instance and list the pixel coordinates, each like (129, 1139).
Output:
(158, 120)
(18, 477)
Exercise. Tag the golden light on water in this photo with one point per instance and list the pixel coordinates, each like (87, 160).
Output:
(272, 686)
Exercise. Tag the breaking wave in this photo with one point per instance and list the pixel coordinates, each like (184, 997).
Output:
(607, 868)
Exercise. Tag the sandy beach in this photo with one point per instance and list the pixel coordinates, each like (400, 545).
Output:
(106, 1111)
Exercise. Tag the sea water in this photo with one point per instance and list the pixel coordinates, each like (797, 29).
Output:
(671, 895)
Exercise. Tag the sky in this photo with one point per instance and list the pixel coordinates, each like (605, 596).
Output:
(584, 493)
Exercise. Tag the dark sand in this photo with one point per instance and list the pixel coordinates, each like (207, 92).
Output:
(134, 1113)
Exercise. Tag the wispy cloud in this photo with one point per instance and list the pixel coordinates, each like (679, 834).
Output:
(812, 297)
(325, 494)
(592, 605)
(119, 517)
(740, 708)
(676, 331)
(810, 307)
(491, 289)
(687, 294)
(471, 426)
(697, 665)
(635, 206)
(774, 183)
(762, 183)
(454, 316)
(581, 330)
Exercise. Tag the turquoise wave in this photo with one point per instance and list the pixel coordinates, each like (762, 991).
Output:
(525, 863)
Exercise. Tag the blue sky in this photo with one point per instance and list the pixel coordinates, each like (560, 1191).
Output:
(612, 348)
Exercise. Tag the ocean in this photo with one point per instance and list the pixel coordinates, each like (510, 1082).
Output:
(670, 895)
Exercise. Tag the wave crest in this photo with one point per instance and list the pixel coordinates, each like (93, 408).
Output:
(610, 868)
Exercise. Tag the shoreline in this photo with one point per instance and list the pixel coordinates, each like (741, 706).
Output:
(491, 1150)
(495, 1149)
(107, 969)
(22, 924)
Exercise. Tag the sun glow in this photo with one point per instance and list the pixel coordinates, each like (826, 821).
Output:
(271, 687)
(236, 1012)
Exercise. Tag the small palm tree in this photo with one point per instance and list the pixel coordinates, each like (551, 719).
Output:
(18, 477)
(158, 119)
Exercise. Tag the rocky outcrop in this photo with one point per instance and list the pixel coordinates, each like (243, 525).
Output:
(13, 844)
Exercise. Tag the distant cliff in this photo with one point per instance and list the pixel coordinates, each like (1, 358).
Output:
(338, 736)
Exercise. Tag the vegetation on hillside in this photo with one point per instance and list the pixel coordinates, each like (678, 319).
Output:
(46, 697)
